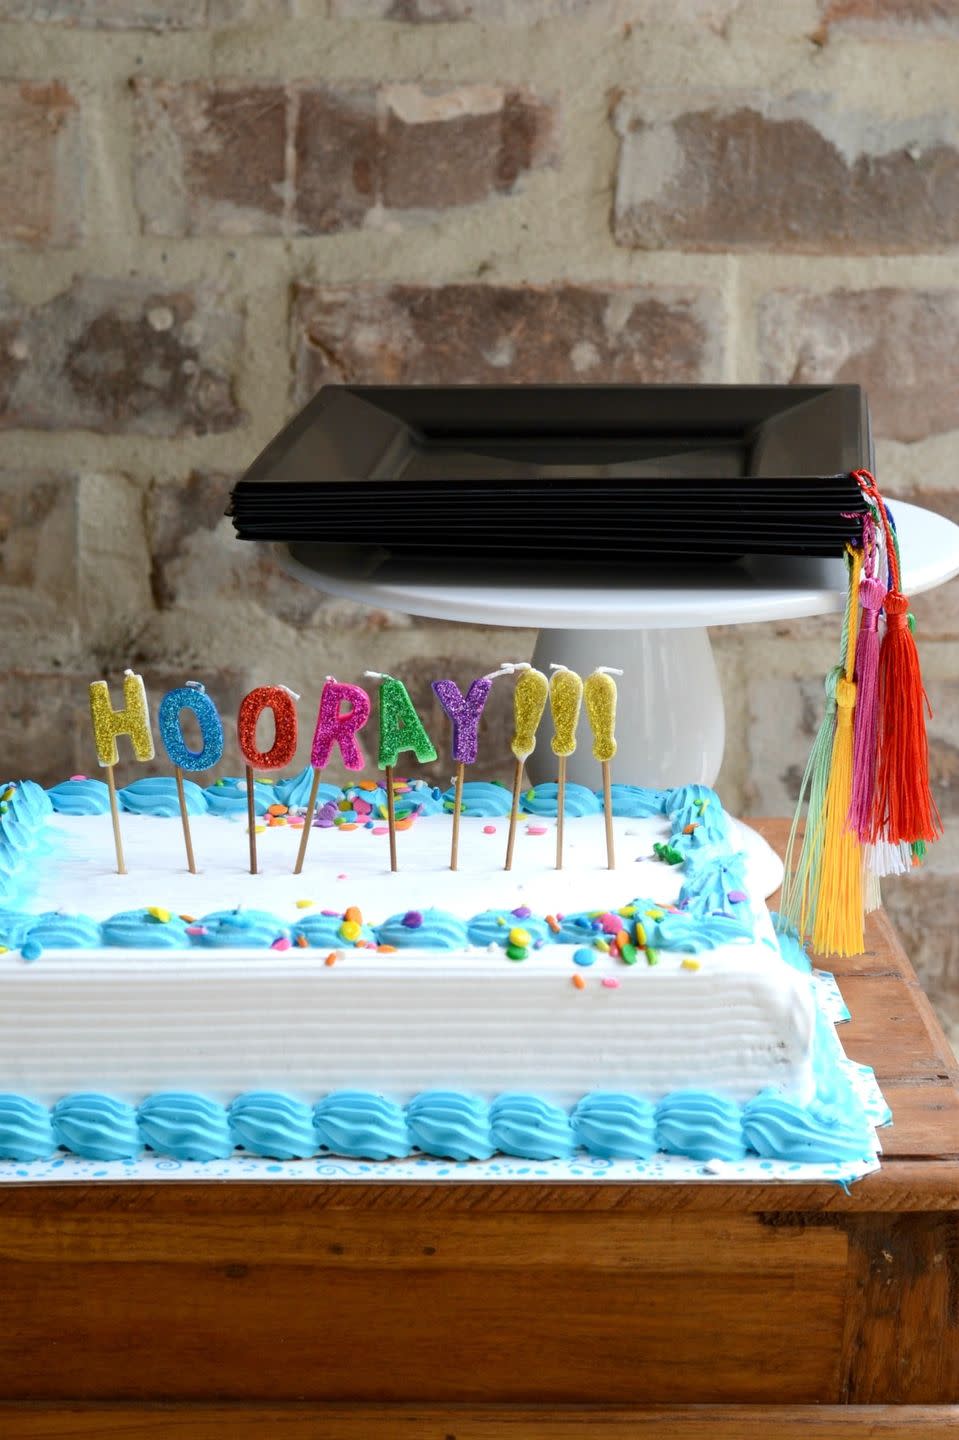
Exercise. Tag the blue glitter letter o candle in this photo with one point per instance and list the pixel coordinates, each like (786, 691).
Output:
(194, 698)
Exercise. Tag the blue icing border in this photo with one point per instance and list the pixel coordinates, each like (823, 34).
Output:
(543, 800)
(485, 799)
(157, 795)
(80, 797)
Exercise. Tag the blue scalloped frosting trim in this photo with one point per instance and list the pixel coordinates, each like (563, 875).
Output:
(712, 908)
(446, 1124)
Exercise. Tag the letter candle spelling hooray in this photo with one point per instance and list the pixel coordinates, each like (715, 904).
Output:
(565, 699)
(464, 711)
(334, 726)
(282, 702)
(599, 693)
(193, 697)
(529, 702)
(400, 729)
(132, 720)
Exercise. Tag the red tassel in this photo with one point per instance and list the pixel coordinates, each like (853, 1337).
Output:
(904, 808)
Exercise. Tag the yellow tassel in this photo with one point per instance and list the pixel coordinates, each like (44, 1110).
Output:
(839, 906)
(838, 926)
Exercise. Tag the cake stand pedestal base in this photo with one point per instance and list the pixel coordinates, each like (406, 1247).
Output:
(671, 725)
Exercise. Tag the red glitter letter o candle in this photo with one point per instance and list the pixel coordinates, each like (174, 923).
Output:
(281, 702)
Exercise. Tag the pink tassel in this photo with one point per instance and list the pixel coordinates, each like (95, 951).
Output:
(872, 593)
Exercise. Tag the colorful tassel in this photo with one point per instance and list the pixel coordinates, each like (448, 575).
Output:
(839, 899)
(839, 908)
(872, 593)
(903, 807)
(797, 904)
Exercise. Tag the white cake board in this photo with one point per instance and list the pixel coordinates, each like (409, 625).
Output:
(672, 727)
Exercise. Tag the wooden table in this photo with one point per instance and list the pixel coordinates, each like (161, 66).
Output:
(428, 1312)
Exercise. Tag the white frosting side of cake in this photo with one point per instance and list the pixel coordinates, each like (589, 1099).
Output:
(221, 1022)
(131, 1022)
(352, 867)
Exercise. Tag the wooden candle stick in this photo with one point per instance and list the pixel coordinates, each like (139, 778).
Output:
(514, 813)
(185, 819)
(560, 809)
(251, 817)
(457, 810)
(115, 817)
(391, 816)
(565, 699)
(307, 822)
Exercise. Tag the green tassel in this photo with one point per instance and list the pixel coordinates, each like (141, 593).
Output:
(918, 848)
(797, 906)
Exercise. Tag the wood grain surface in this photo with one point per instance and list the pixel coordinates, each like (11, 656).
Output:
(415, 1301)
(459, 1422)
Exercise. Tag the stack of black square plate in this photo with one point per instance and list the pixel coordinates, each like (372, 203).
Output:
(567, 474)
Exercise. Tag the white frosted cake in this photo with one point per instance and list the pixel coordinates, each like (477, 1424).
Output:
(354, 1011)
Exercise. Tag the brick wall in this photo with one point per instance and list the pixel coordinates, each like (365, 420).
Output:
(208, 207)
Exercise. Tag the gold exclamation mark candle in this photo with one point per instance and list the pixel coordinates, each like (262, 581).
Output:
(599, 693)
(565, 699)
(132, 720)
(529, 702)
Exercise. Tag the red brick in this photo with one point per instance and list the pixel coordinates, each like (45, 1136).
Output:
(458, 147)
(121, 356)
(742, 171)
(144, 14)
(41, 179)
(339, 157)
(889, 19)
(210, 159)
(231, 159)
(899, 344)
(499, 334)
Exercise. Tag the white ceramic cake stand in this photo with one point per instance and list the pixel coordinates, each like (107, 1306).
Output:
(671, 728)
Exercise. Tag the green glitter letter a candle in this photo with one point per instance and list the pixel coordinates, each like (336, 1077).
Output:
(400, 727)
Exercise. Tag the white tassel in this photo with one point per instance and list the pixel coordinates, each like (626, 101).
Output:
(886, 858)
